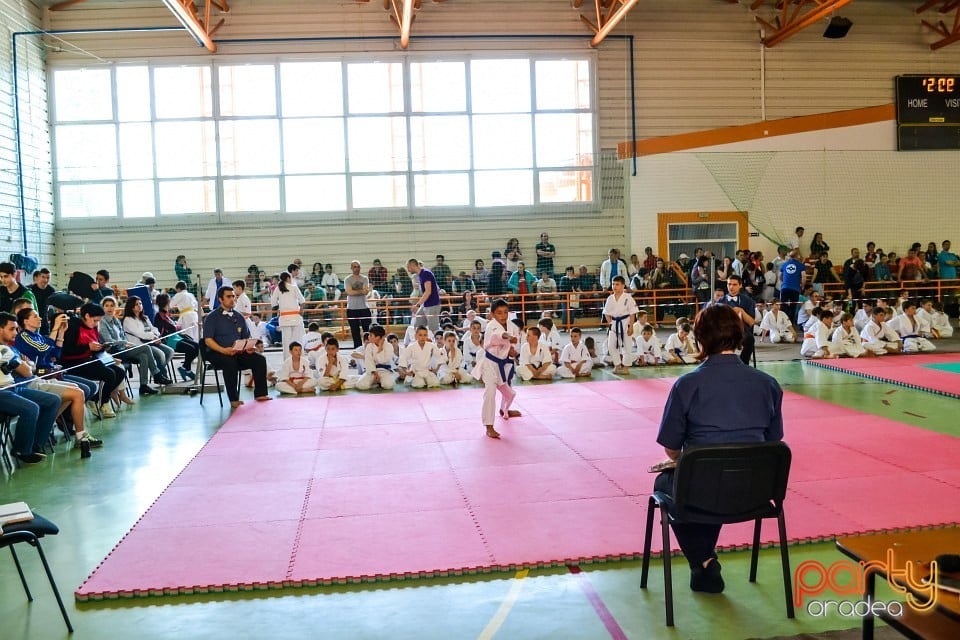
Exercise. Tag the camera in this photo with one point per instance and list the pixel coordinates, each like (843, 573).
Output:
(10, 365)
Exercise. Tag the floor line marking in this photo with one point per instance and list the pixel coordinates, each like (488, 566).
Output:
(501, 615)
(604, 614)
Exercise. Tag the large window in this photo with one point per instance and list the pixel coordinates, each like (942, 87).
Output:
(141, 141)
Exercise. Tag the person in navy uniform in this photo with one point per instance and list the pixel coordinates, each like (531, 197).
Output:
(742, 304)
(221, 329)
(707, 406)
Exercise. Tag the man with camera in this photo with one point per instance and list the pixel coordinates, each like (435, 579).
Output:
(35, 410)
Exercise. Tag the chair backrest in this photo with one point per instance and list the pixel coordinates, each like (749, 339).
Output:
(731, 482)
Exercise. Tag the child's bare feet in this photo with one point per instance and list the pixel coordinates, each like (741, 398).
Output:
(491, 432)
(510, 413)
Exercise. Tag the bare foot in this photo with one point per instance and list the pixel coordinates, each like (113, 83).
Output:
(236, 403)
(492, 433)
(510, 413)
(263, 398)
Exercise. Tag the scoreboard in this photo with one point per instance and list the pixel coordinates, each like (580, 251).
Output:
(928, 112)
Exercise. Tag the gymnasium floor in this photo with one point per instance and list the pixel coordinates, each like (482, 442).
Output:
(95, 502)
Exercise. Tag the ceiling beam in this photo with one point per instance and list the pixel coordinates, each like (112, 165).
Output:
(63, 5)
(791, 22)
(607, 15)
(948, 35)
(200, 28)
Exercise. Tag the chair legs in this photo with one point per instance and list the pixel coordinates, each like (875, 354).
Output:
(35, 542)
(785, 562)
(653, 506)
(202, 376)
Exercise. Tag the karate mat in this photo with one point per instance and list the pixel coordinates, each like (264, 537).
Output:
(362, 488)
(936, 373)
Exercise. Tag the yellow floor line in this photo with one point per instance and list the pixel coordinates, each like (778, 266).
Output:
(501, 615)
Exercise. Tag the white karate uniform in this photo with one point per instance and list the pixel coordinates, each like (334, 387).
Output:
(618, 344)
(570, 356)
(465, 325)
(378, 366)
(649, 351)
(846, 343)
(290, 372)
(187, 304)
(451, 367)
(488, 371)
(419, 363)
(290, 321)
(677, 351)
(758, 321)
(259, 332)
(536, 358)
(816, 341)
(803, 314)
(860, 319)
(779, 327)
(337, 372)
(551, 341)
(471, 351)
(911, 333)
(243, 305)
(410, 336)
(312, 343)
(941, 322)
(874, 338)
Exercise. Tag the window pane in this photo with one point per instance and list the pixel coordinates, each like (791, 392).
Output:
(250, 147)
(500, 86)
(502, 142)
(566, 186)
(182, 92)
(138, 200)
(499, 188)
(563, 84)
(379, 192)
(86, 152)
(441, 189)
(375, 87)
(314, 145)
(248, 90)
(83, 94)
(311, 89)
(261, 194)
(377, 144)
(564, 140)
(133, 94)
(88, 200)
(440, 142)
(185, 149)
(316, 193)
(188, 196)
(136, 150)
(438, 86)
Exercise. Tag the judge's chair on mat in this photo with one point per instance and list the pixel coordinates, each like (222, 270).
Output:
(723, 484)
(30, 533)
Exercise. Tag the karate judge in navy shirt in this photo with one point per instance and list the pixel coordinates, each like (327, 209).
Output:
(221, 329)
(742, 304)
(708, 406)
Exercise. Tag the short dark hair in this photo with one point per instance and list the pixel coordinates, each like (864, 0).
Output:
(294, 344)
(293, 266)
(104, 273)
(717, 328)
(907, 304)
(576, 330)
(6, 317)
(222, 291)
(734, 276)
(239, 283)
(7, 267)
(93, 310)
(41, 271)
(23, 314)
(180, 286)
(313, 326)
(332, 341)
(547, 322)
(163, 299)
(799, 229)
(377, 330)
(499, 302)
(620, 279)
(534, 330)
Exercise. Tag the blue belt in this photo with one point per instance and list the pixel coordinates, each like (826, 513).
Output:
(905, 338)
(502, 363)
(618, 329)
(388, 367)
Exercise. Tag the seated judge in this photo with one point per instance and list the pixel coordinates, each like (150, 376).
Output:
(708, 406)
(221, 329)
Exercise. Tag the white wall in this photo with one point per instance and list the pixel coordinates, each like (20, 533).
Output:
(17, 16)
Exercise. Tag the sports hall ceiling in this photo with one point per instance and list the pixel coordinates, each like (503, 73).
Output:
(779, 19)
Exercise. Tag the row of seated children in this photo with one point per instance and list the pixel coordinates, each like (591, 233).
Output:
(882, 334)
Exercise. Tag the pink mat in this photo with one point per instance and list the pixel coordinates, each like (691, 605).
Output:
(358, 488)
(912, 371)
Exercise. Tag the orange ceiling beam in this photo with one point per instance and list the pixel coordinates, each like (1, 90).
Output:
(792, 19)
(607, 15)
(948, 35)
(200, 28)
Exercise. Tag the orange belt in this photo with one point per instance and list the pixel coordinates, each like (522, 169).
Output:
(289, 313)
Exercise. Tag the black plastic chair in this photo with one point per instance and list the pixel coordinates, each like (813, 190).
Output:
(30, 532)
(724, 484)
(206, 365)
(6, 441)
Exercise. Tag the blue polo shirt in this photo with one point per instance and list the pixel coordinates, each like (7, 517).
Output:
(723, 401)
(791, 274)
(225, 327)
(946, 271)
(427, 276)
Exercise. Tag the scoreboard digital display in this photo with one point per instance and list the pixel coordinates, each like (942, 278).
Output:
(928, 112)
